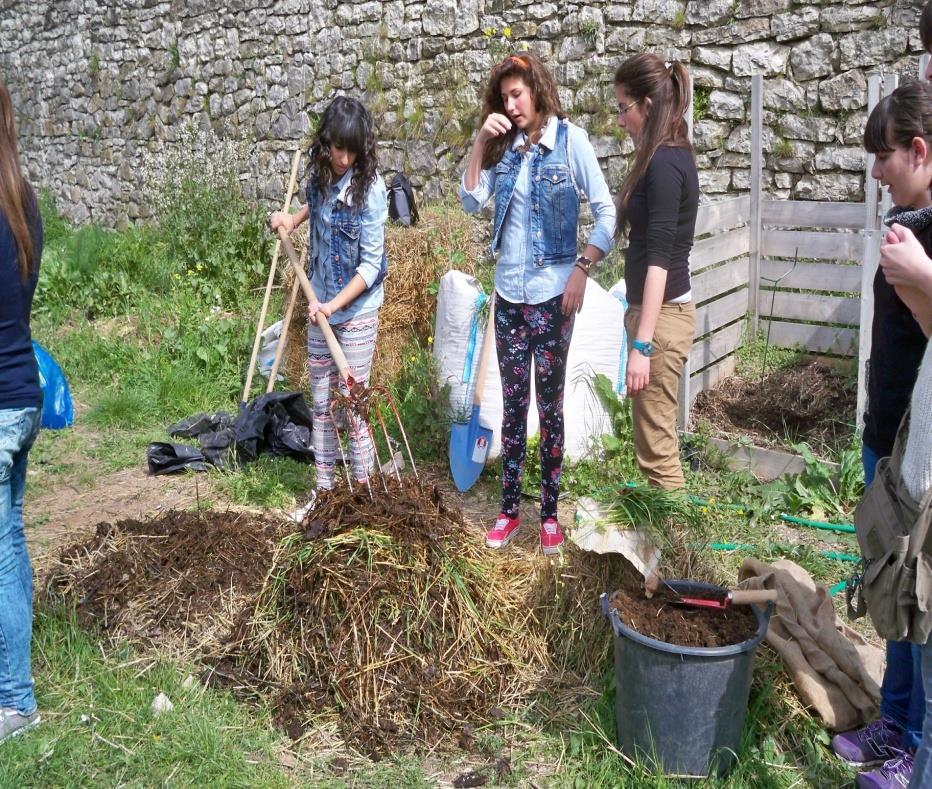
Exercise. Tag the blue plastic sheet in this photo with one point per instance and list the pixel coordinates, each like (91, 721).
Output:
(57, 408)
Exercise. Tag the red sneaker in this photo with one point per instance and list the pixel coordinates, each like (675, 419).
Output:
(551, 537)
(502, 533)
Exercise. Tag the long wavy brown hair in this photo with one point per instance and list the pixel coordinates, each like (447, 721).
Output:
(17, 200)
(346, 123)
(646, 76)
(533, 73)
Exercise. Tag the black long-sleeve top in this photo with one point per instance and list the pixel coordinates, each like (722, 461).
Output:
(662, 221)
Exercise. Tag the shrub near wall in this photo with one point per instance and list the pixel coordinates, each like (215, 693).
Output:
(96, 84)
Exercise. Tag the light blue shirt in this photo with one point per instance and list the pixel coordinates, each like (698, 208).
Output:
(372, 221)
(517, 279)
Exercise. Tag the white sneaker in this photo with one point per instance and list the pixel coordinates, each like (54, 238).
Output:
(300, 514)
(13, 723)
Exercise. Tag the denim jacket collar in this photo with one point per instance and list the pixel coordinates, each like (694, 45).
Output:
(344, 195)
(548, 139)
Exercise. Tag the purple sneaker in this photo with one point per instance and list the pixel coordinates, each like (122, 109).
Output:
(894, 774)
(870, 745)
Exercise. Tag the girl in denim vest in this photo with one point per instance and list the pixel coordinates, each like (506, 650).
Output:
(20, 412)
(347, 208)
(537, 166)
(658, 202)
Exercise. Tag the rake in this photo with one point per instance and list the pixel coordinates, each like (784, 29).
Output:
(357, 400)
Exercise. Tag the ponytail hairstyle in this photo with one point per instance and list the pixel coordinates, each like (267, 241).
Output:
(529, 68)
(346, 123)
(642, 77)
(925, 26)
(899, 118)
(17, 200)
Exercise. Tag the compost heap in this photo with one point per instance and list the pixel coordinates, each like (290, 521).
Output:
(386, 610)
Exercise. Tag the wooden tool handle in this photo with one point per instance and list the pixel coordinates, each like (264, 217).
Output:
(270, 281)
(283, 337)
(335, 350)
(486, 352)
(753, 596)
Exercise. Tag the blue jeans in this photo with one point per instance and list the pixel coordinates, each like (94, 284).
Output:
(18, 430)
(922, 766)
(901, 695)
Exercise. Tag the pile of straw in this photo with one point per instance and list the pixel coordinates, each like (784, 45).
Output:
(418, 256)
(390, 611)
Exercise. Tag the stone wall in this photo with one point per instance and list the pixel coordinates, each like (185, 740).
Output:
(97, 83)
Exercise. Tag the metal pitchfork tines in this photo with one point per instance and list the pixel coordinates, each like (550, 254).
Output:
(361, 401)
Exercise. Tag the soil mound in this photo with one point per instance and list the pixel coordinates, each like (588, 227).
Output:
(177, 578)
(390, 611)
(386, 611)
(809, 402)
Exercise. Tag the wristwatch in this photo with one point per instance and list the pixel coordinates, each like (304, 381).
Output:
(646, 348)
(584, 263)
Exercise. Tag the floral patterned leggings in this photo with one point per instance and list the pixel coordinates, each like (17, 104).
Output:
(520, 331)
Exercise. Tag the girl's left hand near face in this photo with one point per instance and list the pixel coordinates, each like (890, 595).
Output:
(575, 292)
(319, 308)
(904, 261)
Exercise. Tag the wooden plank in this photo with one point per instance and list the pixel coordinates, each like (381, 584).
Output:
(810, 213)
(811, 244)
(811, 307)
(755, 249)
(811, 276)
(716, 346)
(714, 249)
(842, 341)
(710, 376)
(712, 282)
(714, 314)
(766, 464)
(722, 214)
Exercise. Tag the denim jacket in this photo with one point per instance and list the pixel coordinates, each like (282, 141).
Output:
(537, 203)
(346, 240)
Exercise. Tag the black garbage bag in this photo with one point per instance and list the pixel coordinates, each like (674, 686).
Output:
(279, 423)
(166, 458)
(194, 426)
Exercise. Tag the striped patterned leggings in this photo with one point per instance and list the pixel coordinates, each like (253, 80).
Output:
(357, 339)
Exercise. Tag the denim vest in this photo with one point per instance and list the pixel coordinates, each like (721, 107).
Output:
(344, 238)
(553, 197)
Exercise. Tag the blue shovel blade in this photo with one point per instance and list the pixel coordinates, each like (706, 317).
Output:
(469, 449)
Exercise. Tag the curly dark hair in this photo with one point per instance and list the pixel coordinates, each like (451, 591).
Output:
(533, 73)
(346, 123)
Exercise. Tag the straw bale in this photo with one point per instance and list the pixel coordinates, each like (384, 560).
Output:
(444, 239)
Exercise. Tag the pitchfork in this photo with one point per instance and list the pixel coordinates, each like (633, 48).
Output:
(361, 400)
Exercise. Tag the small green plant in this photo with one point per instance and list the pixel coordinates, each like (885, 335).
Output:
(783, 149)
(174, 54)
(589, 30)
(701, 95)
(93, 65)
(679, 20)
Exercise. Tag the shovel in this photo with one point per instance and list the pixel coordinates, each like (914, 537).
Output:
(470, 442)
(727, 599)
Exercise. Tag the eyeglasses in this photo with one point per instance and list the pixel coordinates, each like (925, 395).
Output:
(622, 111)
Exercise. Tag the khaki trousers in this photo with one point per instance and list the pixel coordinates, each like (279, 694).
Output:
(654, 408)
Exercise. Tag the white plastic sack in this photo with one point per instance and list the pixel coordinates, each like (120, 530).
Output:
(597, 342)
(266, 356)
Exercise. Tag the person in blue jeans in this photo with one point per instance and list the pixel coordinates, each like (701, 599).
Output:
(895, 133)
(20, 411)
(537, 166)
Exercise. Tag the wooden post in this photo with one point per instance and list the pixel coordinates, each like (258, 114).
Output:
(757, 157)
(682, 398)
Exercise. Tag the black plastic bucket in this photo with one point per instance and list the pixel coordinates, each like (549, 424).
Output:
(682, 709)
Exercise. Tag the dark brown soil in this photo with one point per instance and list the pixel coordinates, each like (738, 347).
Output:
(147, 579)
(810, 402)
(661, 619)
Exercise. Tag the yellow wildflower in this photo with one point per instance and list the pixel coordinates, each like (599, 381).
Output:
(506, 32)
(430, 340)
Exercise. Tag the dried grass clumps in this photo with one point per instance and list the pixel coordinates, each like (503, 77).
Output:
(391, 612)
(444, 239)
